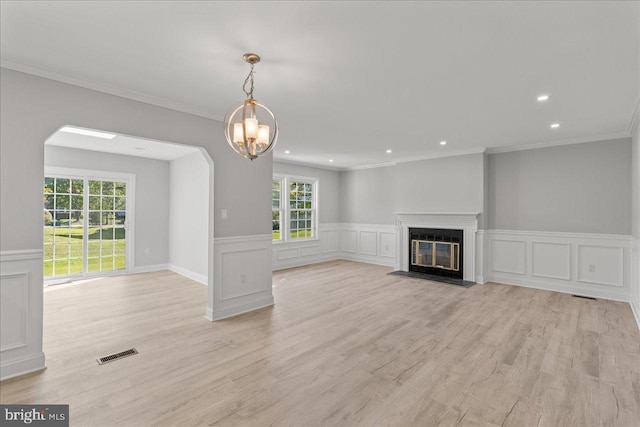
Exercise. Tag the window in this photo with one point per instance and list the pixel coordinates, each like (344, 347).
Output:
(276, 206)
(294, 204)
(85, 223)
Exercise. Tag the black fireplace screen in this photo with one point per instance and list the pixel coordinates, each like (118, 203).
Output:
(436, 251)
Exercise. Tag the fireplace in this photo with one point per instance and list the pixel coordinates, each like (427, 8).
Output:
(446, 221)
(436, 251)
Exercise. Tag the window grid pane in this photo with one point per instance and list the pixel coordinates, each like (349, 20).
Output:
(276, 215)
(301, 210)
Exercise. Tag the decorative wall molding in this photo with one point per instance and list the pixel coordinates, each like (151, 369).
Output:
(369, 243)
(21, 315)
(150, 268)
(109, 89)
(635, 279)
(242, 276)
(465, 221)
(595, 265)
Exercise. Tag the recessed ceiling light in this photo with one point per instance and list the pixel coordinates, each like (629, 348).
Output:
(287, 152)
(555, 125)
(388, 151)
(88, 132)
(542, 98)
(443, 142)
(330, 160)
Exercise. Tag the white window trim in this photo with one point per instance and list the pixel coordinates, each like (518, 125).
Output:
(285, 215)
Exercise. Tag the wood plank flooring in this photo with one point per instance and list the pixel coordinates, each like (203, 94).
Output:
(345, 345)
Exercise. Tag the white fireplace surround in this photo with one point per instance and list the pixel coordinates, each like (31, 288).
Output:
(465, 221)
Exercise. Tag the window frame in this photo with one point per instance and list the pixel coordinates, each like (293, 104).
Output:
(285, 208)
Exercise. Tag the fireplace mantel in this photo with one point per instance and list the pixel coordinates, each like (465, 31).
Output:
(465, 221)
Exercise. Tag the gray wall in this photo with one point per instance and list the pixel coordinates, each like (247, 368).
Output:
(32, 108)
(635, 215)
(329, 188)
(451, 184)
(582, 188)
(635, 185)
(151, 195)
(189, 213)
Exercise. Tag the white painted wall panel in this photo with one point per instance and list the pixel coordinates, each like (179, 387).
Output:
(14, 307)
(387, 245)
(368, 243)
(330, 241)
(508, 256)
(348, 241)
(561, 262)
(551, 260)
(602, 265)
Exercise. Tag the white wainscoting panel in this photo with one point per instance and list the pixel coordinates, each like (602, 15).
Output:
(309, 251)
(242, 276)
(14, 310)
(329, 240)
(595, 265)
(551, 260)
(368, 243)
(21, 292)
(387, 244)
(349, 241)
(602, 265)
(635, 280)
(508, 256)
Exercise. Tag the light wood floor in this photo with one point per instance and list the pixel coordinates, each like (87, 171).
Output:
(345, 345)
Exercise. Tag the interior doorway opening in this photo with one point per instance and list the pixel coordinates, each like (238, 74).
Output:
(117, 204)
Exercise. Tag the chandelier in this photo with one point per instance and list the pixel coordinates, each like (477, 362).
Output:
(250, 127)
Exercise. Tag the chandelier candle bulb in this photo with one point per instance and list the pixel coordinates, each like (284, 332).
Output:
(238, 133)
(263, 135)
(251, 128)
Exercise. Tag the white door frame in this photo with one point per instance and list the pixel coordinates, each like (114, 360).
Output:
(130, 179)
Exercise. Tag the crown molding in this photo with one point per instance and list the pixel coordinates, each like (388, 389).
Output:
(581, 140)
(377, 165)
(635, 119)
(307, 164)
(105, 88)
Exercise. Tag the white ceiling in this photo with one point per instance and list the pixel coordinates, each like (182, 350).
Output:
(349, 80)
(121, 144)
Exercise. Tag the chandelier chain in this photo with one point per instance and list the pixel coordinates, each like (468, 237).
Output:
(249, 79)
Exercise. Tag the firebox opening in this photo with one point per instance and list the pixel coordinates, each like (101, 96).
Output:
(436, 251)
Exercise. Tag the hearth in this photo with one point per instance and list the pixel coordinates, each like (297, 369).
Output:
(436, 251)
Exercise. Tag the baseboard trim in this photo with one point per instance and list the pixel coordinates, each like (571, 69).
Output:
(302, 262)
(386, 262)
(214, 315)
(559, 288)
(189, 274)
(24, 365)
(150, 268)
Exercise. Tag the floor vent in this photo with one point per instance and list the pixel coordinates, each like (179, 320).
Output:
(582, 296)
(117, 356)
